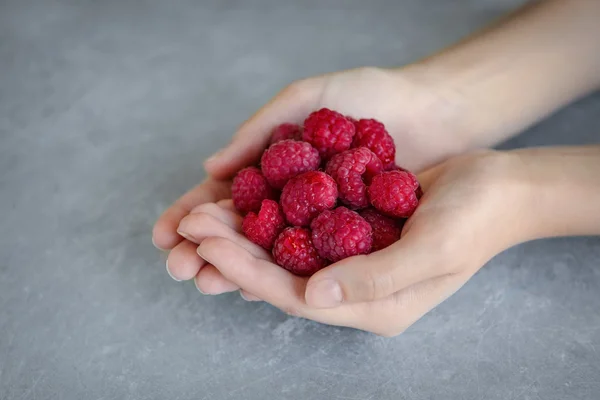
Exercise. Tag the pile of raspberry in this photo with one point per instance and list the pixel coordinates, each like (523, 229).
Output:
(324, 191)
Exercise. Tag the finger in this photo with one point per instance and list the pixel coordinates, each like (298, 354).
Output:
(255, 275)
(267, 281)
(292, 104)
(164, 233)
(183, 263)
(230, 218)
(210, 281)
(416, 257)
(227, 204)
(198, 227)
(248, 296)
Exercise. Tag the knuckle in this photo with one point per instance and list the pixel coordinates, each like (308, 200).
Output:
(367, 287)
(376, 284)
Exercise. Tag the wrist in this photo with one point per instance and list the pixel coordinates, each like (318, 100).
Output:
(513, 74)
(438, 115)
(506, 195)
(562, 191)
(458, 83)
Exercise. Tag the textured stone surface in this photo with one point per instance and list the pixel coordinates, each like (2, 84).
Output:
(107, 110)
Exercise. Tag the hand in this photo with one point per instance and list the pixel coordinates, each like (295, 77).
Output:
(424, 123)
(474, 207)
(182, 253)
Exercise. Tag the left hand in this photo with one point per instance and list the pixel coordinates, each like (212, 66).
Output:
(429, 120)
(474, 207)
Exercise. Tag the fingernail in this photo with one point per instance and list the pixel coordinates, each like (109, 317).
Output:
(184, 235)
(198, 251)
(324, 294)
(196, 284)
(215, 156)
(155, 245)
(169, 272)
(249, 297)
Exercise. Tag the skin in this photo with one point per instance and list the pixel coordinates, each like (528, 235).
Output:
(414, 126)
(441, 109)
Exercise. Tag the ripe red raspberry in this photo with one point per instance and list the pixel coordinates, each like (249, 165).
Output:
(286, 159)
(394, 193)
(395, 167)
(306, 196)
(286, 131)
(264, 228)
(372, 134)
(341, 233)
(328, 131)
(249, 189)
(351, 170)
(385, 229)
(419, 192)
(294, 251)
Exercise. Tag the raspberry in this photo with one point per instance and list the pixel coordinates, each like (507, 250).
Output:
(419, 192)
(394, 193)
(249, 189)
(372, 134)
(385, 229)
(263, 228)
(286, 159)
(328, 131)
(394, 167)
(307, 195)
(294, 251)
(351, 170)
(341, 233)
(286, 131)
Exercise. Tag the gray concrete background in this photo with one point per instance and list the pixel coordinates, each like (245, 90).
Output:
(107, 110)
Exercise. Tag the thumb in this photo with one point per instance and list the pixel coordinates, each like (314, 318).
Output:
(412, 259)
(292, 104)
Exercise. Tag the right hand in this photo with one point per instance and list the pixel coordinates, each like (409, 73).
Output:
(424, 121)
(474, 207)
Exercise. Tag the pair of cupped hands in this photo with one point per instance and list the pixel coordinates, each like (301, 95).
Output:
(468, 214)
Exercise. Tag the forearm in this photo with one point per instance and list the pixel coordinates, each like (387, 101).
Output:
(521, 69)
(563, 195)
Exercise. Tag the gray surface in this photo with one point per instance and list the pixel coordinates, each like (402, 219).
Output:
(107, 110)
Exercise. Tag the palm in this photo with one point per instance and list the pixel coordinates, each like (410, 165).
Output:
(408, 109)
(415, 115)
(453, 195)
